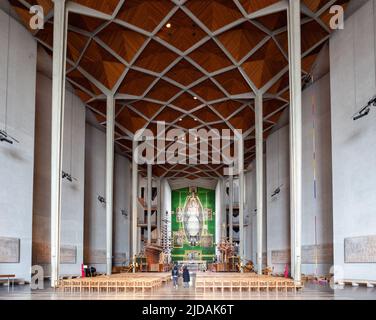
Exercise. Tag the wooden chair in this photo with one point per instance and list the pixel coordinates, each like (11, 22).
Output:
(209, 284)
(235, 285)
(226, 284)
(218, 284)
(200, 284)
(244, 284)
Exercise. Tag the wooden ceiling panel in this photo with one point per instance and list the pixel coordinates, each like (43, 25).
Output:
(130, 120)
(208, 91)
(274, 21)
(271, 106)
(184, 73)
(125, 42)
(312, 34)
(80, 79)
(102, 65)
(163, 91)
(243, 120)
(86, 23)
(46, 35)
(47, 5)
(181, 32)
(186, 102)
(22, 12)
(315, 5)
(147, 108)
(240, 40)
(186, 51)
(206, 115)
(146, 15)
(75, 45)
(233, 82)
(215, 14)
(210, 57)
(187, 122)
(107, 6)
(262, 66)
(169, 115)
(155, 57)
(254, 5)
(136, 83)
(281, 83)
(227, 108)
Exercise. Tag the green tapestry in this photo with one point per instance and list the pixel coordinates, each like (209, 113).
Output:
(193, 224)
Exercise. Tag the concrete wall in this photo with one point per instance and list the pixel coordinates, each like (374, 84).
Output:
(278, 207)
(317, 221)
(95, 212)
(17, 160)
(72, 212)
(250, 231)
(354, 153)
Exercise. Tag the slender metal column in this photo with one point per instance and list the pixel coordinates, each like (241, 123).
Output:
(241, 199)
(57, 127)
(223, 209)
(134, 204)
(259, 177)
(149, 203)
(159, 209)
(294, 33)
(110, 136)
(231, 207)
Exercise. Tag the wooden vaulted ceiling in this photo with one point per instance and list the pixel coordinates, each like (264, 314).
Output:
(190, 63)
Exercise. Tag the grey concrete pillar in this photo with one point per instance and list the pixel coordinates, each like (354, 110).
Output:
(259, 177)
(57, 125)
(110, 136)
(149, 191)
(134, 203)
(294, 36)
(231, 207)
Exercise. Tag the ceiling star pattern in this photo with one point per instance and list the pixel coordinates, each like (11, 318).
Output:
(195, 64)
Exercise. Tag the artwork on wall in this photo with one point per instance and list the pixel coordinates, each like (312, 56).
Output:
(178, 237)
(208, 214)
(42, 253)
(207, 241)
(360, 249)
(179, 214)
(9, 250)
(193, 224)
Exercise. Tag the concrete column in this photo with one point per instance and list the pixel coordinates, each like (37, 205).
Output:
(159, 210)
(259, 177)
(231, 207)
(134, 203)
(294, 36)
(241, 198)
(223, 209)
(149, 191)
(57, 125)
(110, 136)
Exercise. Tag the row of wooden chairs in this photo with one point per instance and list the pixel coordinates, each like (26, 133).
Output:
(248, 284)
(109, 284)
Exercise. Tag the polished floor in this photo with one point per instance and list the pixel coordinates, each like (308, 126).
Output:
(310, 292)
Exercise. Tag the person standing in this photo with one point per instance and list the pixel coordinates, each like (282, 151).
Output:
(186, 277)
(175, 276)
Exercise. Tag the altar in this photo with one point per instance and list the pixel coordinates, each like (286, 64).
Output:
(194, 265)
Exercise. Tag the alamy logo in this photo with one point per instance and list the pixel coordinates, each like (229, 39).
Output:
(37, 19)
(197, 146)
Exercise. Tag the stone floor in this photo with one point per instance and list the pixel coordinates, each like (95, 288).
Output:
(310, 292)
